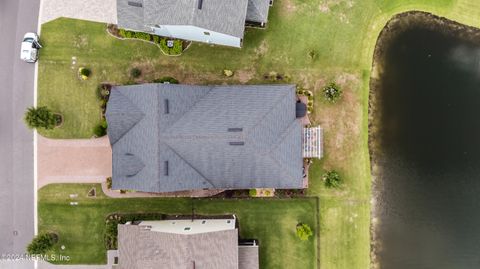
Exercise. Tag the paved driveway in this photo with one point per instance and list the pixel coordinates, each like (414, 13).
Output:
(90, 10)
(73, 160)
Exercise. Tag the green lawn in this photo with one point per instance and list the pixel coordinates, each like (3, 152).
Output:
(80, 228)
(343, 35)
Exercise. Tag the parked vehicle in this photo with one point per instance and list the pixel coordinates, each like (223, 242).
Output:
(30, 47)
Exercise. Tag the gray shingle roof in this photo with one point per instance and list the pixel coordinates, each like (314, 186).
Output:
(257, 11)
(248, 257)
(194, 138)
(223, 16)
(130, 17)
(143, 249)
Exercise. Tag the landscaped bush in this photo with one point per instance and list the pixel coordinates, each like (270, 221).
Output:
(135, 72)
(125, 33)
(332, 92)
(41, 117)
(144, 36)
(304, 231)
(170, 80)
(84, 73)
(42, 243)
(103, 91)
(112, 221)
(252, 192)
(101, 129)
(177, 48)
(109, 183)
(228, 73)
(332, 179)
(121, 32)
(156, 39)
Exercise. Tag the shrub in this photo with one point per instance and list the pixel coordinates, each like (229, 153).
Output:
(304, 231)
(144, 36)
(135, 72)
(332, 92)
(312, 54)
(121, 32)
(129, 34)
(227, 73)
(103, 91)
(177, 48)
(40, 117)
(170, 80)
(42, 243)
(332, 179)
(252, 192)
(156, 39)
(100, 129)
(109, 183)
(84, 72)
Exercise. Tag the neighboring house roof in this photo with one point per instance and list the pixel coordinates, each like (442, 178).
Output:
(222, 16)
(140, 248)
(248, 257)
(179, 137)
(257, 11)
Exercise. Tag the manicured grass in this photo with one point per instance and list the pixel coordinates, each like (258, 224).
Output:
(80, 228)
(343, 35)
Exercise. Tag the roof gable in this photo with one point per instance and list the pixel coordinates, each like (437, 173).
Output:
(121, 115)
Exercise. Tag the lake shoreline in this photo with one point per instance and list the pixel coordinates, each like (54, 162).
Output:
(394, 27)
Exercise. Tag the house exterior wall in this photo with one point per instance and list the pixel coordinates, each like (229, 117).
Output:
(194, 33)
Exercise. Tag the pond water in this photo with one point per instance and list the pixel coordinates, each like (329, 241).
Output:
(428, 198)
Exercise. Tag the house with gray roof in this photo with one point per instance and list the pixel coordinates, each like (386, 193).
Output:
(185, 243)
(219, 22)
(168, 138)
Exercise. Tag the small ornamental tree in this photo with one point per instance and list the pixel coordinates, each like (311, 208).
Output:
(42, 243)
(332, 92)
(304, 231)
(135, 72)
(332, 179)
(84, 73)
(40, 117)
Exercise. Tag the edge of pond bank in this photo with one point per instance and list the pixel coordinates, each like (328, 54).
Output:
(397, 25)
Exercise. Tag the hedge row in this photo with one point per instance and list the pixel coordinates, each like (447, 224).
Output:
(162, 41)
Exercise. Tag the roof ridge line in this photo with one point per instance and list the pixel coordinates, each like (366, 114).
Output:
(181, 157)
(265, 115)
(134, 105)
(191, 107)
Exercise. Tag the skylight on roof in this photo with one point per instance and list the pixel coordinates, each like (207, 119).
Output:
(135, 4)
(235, 129)
(237, 143)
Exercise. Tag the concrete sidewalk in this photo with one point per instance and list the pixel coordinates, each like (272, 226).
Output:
(90, 10)
(73, 160)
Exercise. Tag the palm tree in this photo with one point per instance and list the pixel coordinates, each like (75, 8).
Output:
(40, 117)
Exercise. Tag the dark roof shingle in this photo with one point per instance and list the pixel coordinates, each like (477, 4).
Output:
(194, 137)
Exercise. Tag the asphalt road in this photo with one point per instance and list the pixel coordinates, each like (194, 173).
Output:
(16, 142)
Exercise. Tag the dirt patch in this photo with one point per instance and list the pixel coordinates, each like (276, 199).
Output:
(327, 5)
(245, 75)
(80, 41)
(288, 7)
